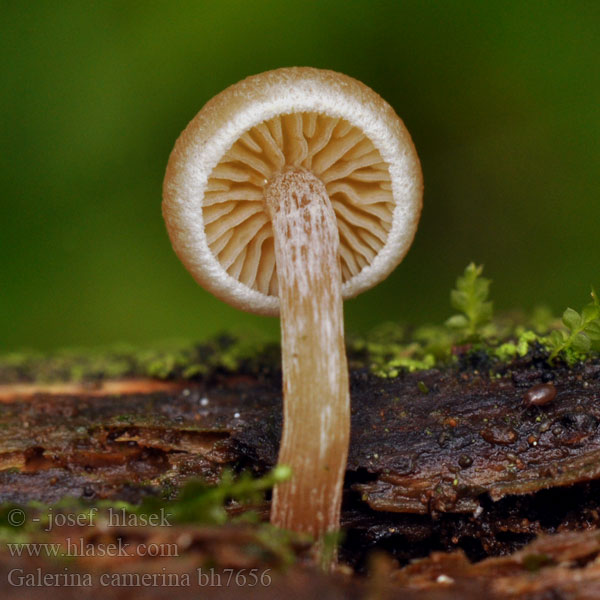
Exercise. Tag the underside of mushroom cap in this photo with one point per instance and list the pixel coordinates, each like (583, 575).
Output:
(322, 121)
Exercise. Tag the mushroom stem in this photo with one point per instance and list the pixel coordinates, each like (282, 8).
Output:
(316, 407)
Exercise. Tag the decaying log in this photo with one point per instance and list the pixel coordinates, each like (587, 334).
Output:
(449, 460)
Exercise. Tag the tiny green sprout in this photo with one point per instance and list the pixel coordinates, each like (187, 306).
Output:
(583, 332)
(470, 297)
(423, 387)
(201, 502)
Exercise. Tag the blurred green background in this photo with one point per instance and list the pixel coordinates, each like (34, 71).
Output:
(501, 99)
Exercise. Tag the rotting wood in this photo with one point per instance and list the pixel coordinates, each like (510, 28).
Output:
(465, 466)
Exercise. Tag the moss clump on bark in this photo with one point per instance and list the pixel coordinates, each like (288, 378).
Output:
(176, 360)
(385, 351)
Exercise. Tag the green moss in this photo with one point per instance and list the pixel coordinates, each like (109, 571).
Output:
(389, 351)
(470, 297)
(517, 347)
(580, 335)
(393, 348)
(196, 502)
(182, 360)
(386, 351)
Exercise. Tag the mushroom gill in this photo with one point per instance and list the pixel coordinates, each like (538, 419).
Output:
(357, 180)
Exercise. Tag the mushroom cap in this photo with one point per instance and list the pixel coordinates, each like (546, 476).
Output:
(326, 122)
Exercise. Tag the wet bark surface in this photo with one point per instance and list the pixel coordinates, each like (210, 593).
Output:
(457, 465)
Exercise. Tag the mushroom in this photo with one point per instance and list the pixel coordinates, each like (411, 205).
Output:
(287, 193)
